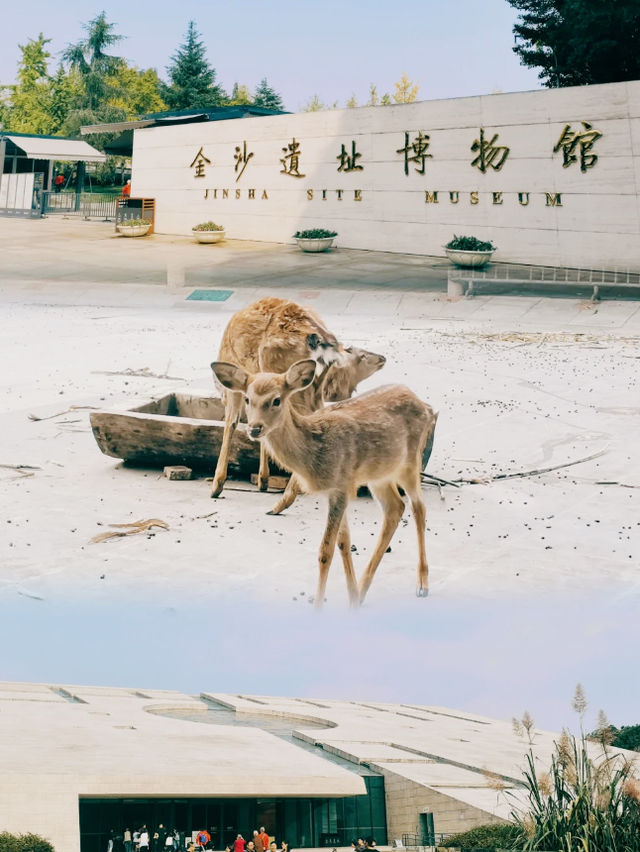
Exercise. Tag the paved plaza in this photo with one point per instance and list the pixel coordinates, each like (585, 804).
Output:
(523, 382)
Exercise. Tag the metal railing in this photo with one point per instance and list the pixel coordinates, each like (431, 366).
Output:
(86, 205)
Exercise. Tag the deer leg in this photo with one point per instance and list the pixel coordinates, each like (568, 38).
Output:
(337, 506)
(419, 516)
(263, 472)
(290, 493)
(231, 417)
(344, 545)
(393, 507)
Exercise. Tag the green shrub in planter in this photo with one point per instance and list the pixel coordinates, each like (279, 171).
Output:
(24, 843)
(134, 223)
(492, 836)
(208, 226)
(469, 244)
(314, 234)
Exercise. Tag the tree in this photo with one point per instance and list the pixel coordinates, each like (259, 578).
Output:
(385, 100)
(406, 90)
(314, 104)
(137, 92)
(267, 97)
(374, 100)
(193, 80)
(240, 95)
(30, 102)
(576, 42)
(95, 66)
(352, 102)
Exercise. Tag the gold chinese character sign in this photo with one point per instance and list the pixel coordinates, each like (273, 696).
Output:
(198, 164)
(242, 159)
(348, 162)
(415, 152)
(489, 155)
(291, 160)
(570, 140)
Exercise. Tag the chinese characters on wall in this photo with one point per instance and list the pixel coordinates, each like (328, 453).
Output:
(487, 154)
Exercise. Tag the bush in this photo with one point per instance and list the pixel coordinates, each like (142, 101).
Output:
(133, 223)
(502, 835)
(314, 234)
(208, 226)
(24, 843)
(469, 244)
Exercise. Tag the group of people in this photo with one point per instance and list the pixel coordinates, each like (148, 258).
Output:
(171, 840)
(259, 842)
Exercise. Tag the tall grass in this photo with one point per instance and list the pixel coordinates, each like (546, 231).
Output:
(582, 804)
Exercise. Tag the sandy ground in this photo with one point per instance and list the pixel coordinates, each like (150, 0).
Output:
(511, 397)
(521, 383)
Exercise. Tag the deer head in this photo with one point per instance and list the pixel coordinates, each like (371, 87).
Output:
(265, 394)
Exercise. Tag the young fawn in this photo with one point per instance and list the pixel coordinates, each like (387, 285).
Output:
(378, 439)
(270, 335)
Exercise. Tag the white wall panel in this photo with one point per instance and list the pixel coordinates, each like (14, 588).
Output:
(598, 223)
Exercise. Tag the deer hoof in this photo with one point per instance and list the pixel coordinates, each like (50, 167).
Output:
(422, 592)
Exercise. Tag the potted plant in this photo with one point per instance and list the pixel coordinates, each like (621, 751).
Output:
(208, 232)
(315, 239)
(134, 227)
(469, 251)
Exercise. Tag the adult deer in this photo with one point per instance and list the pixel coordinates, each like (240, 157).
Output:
(378, 438)
(270, 335)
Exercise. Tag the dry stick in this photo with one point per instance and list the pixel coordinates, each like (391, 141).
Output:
(532, 472)
(20, 466)
(60, 413)
(143, 372)
(437, 480)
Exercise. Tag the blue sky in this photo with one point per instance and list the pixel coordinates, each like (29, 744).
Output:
(498, 658)
(452, 48)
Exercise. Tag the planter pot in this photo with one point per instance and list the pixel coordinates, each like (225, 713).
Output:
(321, 244)
(133, 230)
(469, 258)
(208, 236)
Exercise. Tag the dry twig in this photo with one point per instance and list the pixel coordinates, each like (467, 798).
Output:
(60, 413)
(133, 528)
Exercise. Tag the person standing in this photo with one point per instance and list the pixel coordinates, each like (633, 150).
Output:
(238, 844)
(264, 837)
(58, 182)
(143, 843)
(126, 839)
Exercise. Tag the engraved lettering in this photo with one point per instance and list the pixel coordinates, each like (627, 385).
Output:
(264, 196)
(237, 193)
(252, 193)
(473, 197)
(523, 198)
(431, 197)
(357, 195)
(309, 195)
(225, 193)
(339, 194)
(497, 197)
(454, 197)
(554, 199)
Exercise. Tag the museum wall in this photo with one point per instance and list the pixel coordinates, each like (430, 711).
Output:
(550, 176)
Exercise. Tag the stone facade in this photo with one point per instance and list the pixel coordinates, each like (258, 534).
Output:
(550, 176)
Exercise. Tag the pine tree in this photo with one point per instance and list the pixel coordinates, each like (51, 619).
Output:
(576, 42)
(267, 97)
(193, 80)
(89, 58)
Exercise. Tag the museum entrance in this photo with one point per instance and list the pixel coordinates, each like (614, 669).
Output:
(302, 822)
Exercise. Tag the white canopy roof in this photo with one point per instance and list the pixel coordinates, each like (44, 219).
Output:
(46, 148)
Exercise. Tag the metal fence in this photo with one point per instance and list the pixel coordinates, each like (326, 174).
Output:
(85, 205)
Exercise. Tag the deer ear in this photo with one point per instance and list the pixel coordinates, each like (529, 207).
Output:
(300, 375)
(230, 376)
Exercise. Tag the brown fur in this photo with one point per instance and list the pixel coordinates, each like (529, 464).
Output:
(377, 438)
(270, 335)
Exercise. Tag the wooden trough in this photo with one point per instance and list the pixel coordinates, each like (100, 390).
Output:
(176, 429)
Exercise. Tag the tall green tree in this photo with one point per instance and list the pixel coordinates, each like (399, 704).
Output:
(192, 79)
(30, 101)
(90, 59)
(267, 97)
(575, 42)
(240, 95)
